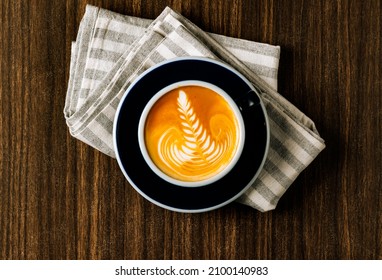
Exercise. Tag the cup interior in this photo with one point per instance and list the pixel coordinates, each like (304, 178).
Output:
(239, 143)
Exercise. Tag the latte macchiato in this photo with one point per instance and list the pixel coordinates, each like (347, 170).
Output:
(192, 133)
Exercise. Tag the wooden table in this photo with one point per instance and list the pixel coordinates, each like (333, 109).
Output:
(61, 199)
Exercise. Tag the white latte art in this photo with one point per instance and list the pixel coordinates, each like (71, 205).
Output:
(193, 134)
(193, 147)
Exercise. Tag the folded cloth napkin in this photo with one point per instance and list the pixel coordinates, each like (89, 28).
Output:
(111, 50)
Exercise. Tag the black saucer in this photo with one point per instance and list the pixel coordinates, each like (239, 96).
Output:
(190, 199)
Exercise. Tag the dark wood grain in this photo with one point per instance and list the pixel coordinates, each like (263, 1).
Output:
(60, 199)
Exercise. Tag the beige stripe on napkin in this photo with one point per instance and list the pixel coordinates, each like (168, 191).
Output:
(112, 50)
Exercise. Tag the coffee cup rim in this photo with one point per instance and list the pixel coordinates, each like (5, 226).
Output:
(141, 134)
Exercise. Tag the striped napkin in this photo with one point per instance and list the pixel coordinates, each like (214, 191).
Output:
(111, 50)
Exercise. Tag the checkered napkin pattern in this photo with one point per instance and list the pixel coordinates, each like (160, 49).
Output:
(112, 50)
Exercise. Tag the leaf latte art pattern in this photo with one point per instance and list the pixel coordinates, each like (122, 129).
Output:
(193, 150)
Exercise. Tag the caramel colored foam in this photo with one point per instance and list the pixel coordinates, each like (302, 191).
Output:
(191, 133)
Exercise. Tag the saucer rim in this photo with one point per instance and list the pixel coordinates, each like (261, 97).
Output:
(134, 184)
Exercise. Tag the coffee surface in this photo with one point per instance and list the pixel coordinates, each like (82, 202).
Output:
(191, 133)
